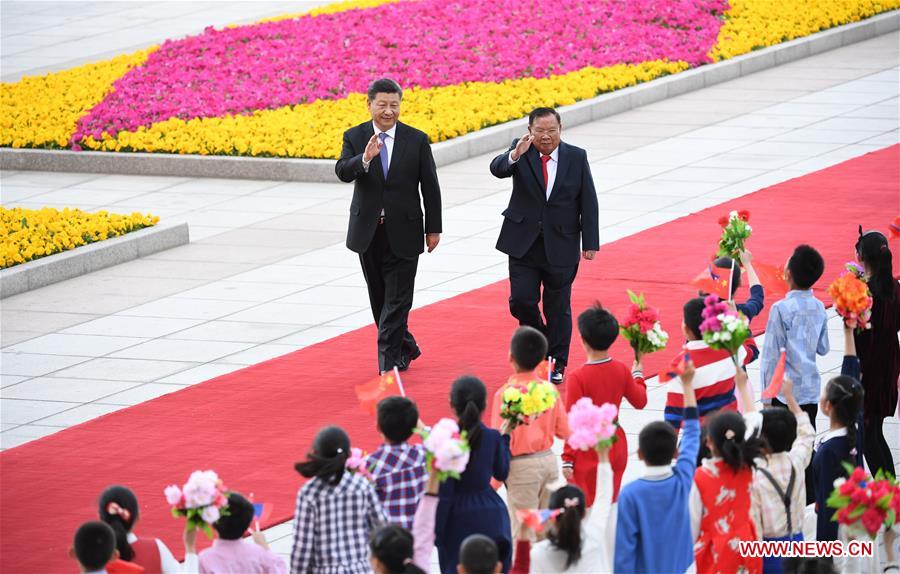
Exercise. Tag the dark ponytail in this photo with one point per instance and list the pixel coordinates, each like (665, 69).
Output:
(566, 535)
(727, 430)
(874, 252)
(845, 395)
(392, 545)
(468, 397)
(328, 458)
(119, 508)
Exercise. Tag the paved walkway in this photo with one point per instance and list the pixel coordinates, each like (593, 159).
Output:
(37, 36)
(267, 273)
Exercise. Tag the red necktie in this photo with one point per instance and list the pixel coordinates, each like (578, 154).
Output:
(544, 160)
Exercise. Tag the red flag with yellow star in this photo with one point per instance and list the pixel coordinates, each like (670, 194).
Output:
(369, 394)
(772, 280)
(714, 280)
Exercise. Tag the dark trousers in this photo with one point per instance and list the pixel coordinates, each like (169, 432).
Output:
(813, 411)
(877, 451)
(391, 281)
(526, 277)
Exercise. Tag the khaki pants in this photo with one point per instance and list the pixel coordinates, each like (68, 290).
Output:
(528, 485)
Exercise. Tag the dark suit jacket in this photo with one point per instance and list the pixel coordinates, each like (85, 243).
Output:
(569, 215)
(411, 165)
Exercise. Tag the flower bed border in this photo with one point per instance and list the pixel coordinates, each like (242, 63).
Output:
(457, 149)
(87, 258)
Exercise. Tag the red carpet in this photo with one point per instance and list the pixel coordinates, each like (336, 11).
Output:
(252, 425)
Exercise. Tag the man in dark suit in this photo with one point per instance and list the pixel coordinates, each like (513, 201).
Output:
(388, 162)
(553, 206)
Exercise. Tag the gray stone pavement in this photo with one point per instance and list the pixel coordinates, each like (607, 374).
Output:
(267, 272)
(37, 36)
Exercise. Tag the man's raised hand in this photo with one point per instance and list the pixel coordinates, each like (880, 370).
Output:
(373, 148)
(522, 146)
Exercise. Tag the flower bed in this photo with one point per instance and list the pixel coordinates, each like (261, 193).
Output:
(30, 234)
(289, 87)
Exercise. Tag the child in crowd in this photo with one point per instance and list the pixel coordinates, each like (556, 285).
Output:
(118, 507)
(469, 505)
(879, 350)
(398, 468)
(841, 402)
(755, 304)
(392, 551)
(713, 382)
(779, 483)
(603, 380)
(94, 547)
(653, 531)
(478, 554)
(720, 500)
(229, 554)
(798, 324)
(571, 546)
(534, 467)
(336, 510)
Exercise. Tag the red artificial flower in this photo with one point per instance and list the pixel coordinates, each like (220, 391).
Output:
(843, 515)
(744, 215)
(723, 221)
(858, 474)
(872, 519)
(847, 488)
(860, 496)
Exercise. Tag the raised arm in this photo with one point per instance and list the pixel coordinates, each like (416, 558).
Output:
(690, 442)
(802, 450)
(504, 165)
(350, 165)
(423, 524)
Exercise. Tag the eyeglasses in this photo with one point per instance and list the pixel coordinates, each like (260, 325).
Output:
(550, 132)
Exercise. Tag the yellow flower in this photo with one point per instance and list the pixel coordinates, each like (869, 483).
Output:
(512, 395)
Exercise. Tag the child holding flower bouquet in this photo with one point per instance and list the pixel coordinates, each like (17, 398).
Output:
(602, 379)
(534, 467)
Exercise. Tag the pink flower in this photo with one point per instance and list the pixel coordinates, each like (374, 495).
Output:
(210, 514)
(173, 495)
(201, 489)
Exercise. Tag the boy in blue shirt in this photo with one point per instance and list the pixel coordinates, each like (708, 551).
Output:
(653, 532)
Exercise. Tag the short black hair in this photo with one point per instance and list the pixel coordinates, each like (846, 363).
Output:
(384, 86)
(693, 315)
(807, 565)
(598, 327)
(233, 525)
(779, 428)
(538, 113)
(528, 347)
(729, 263)
(657, 443)
(397, 417)
(94, 544)
(478, 554)
(806, 266)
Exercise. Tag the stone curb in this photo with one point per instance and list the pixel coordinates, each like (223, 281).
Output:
(490, 139)
(81, 260)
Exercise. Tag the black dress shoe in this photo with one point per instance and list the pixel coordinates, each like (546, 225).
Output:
(405, 360)
(558, 374)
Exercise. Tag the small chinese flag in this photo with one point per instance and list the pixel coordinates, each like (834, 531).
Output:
(714, 280)
(774, 387)
(772, 280)
(378, 388)
(676, 369)
(895, 228)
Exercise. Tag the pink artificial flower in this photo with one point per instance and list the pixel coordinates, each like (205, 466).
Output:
(210, 514)
(173, 495)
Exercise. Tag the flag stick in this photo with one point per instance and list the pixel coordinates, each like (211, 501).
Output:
(550, 362)
(399, 382)
(730, 277)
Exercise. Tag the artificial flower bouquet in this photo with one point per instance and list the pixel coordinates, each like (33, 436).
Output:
(592, 427)
(523, 402)
(723, 328)
(735, 231)
(863, 503)
(446, 449)
(642, 328)
(851, 297)
(202, 500)
(356, 463)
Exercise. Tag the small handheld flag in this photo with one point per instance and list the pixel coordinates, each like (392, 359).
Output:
(369, 394)
(895, 228)
(715, 280)
(676, 369)
(772, 280)
(774, 387)
(536, 519)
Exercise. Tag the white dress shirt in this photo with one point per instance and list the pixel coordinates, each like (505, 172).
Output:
(551, 168)
(388, 143)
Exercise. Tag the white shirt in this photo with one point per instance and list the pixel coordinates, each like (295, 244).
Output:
(551, 168)
(658, 472)
(167, 560)
(388, 143)
(833, 433)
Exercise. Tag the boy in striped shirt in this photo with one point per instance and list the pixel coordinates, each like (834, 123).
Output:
(714, 377)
